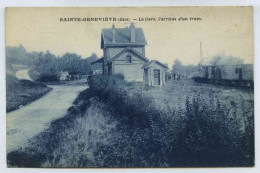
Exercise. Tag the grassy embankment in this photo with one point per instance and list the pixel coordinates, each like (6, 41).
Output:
(113, 125)
(44, 78)
(22, 92)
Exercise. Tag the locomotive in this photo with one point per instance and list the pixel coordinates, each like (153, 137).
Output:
(231, 75)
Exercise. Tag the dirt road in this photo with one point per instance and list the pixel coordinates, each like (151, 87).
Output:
(32, 119)
(23, 74)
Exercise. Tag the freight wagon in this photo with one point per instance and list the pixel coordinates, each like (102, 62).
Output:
(233, 75)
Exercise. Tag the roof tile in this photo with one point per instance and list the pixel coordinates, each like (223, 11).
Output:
(123, 35)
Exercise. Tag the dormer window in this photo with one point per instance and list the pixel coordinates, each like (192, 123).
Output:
(129, 59)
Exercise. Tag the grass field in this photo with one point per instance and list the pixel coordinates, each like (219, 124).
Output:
(22, 92)
(174, 95)
(120, 124)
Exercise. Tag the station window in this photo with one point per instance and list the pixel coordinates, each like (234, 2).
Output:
(213, 71)
(238, 70)
(129, 59)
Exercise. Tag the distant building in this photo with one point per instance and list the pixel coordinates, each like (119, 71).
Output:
(154, 73)
(124, 52)
(75, 75)
(64, 75)
(97, 67)
(168, 76)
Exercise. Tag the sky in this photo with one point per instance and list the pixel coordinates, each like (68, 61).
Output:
(221, 30)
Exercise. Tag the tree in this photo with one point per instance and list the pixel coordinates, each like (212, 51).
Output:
(70, 62)
(225, 60)
(16, 55)
(88, 61)
(177, 67)
(46, 63)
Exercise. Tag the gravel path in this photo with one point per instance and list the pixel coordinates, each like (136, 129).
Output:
(28, 121)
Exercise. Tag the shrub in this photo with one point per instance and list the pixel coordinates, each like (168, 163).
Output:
(34, 74)
(22, 92)
(210, 138)
(200, 135)
(48, 78)
(141, 125)
(108, 126)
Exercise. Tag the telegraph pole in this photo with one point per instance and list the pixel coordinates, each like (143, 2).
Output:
(200, 67)
(200, 52)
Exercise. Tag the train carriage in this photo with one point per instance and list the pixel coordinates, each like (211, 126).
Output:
(237, 75)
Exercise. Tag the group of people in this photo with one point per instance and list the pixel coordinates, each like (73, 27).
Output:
(176, 77)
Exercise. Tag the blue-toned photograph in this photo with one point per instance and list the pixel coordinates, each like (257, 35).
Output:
(130, 87)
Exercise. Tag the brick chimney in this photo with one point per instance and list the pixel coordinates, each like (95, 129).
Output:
(114, 33)
(132, 30)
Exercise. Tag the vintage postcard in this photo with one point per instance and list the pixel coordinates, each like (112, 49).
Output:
(130, 87)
